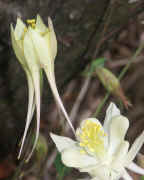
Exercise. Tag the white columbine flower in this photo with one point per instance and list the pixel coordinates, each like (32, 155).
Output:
(103, 152)
(35, 47)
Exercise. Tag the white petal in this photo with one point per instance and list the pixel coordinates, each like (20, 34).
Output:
(47, 62)
(32, 62)
(126, 176)
(111, 112)
(120, 155)
(44, 52)
(52, 36)
(43, 49)
(40, 26)
(19, 29)
(62, 142)
(101, 172)
(31, 107)
(18, 51)
(136, 146)
(51, 79)
(72, 157)
(118, 129)
(135, 168)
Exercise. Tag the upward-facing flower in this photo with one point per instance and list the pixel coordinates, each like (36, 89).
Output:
(35, 47)
(103, 152)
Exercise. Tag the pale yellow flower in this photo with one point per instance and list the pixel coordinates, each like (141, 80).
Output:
(101, 151)
(35, 47)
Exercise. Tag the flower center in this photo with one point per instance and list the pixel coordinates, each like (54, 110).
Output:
(31, 22)
(92, 137)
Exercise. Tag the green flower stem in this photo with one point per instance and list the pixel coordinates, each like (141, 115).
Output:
(121, 75)
(138, 51)
(101, 104)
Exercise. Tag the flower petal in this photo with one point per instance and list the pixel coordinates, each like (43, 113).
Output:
(42, 47)
(136, 146)
(40, 26)
(72, 157)
(52, 38)
(32, 61)
(101, 172)
(31, 107)
(62, 142)
(126, 176)
(19, 29)
(18, 51)
(120, 155)
(135, 168)
(47, 62)
(118, 129)
(51, 79)
(45, 56)
(111, 112)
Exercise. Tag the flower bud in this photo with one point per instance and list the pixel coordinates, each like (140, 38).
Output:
(112, 84)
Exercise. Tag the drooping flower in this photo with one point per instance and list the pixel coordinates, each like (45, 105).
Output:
(35, 47)
(101, 151)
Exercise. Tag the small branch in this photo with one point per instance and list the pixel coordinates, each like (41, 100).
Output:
(122, 62)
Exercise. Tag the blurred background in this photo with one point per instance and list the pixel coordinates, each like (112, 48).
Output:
(86, 30)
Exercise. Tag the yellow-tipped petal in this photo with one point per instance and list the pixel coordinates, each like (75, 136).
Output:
(53, 41)
(40, 26)
(19, 29)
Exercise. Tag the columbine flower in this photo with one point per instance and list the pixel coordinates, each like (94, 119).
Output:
(35, 47)
(101, 151)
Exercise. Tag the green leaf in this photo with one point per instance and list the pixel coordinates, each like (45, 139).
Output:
(62, 170)
(142, 178)
(96, 63)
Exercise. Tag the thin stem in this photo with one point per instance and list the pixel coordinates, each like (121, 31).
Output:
(101, 104)
(132, 59)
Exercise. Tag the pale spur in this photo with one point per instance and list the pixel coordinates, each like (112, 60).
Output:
(35, 47)
(101, 151)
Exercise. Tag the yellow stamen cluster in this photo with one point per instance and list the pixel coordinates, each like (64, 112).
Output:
(31, 22)
(91, 137)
